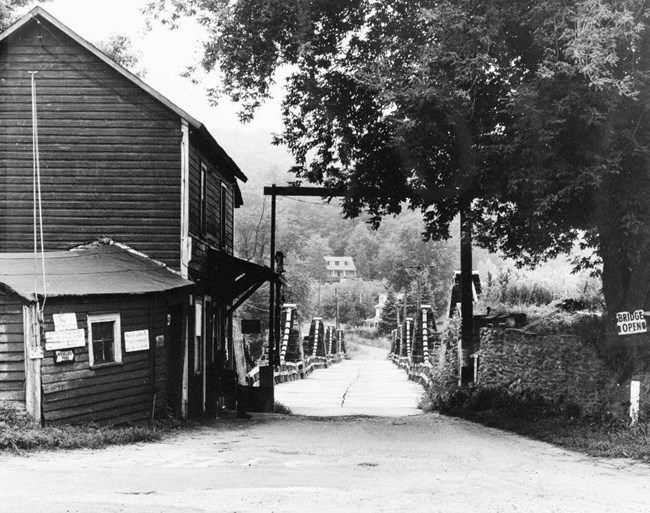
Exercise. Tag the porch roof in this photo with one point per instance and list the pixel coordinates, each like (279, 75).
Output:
(95, 269)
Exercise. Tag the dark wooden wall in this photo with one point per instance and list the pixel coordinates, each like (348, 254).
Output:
(12, 352)
(110, 152)
(118, 393)
(216, 176)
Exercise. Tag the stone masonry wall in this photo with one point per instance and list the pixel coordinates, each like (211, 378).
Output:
(561, 368)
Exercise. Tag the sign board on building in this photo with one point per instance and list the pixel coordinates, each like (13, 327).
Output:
(160, 340)
(35, 353)
(64, 356)
(629, 323)
(251, 326)
(55, 340)
(65, 321)
(136, 340)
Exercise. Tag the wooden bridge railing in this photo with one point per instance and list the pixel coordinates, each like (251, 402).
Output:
(298, 358)
(415, 346)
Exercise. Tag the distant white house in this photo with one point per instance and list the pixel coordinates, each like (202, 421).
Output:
(340, 268)
(379, 307)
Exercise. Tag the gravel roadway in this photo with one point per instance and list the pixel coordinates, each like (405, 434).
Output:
(276, 463)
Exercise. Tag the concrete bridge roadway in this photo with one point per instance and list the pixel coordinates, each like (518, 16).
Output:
(292, 464)
(368, 384)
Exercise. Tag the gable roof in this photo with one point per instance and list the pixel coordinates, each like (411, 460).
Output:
(345, 263)
(38, 13)
(98, 268)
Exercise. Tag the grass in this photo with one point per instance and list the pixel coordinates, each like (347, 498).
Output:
(528, 414)
(594, 438)
(19, 434)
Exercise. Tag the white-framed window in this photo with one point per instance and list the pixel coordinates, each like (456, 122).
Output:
(104, 339)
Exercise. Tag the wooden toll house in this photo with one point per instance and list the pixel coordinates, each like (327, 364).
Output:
(93, 340)
(119, 160)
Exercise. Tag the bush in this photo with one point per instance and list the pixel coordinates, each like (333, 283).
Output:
(278, 407)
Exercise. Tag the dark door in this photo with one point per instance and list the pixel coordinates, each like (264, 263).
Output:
(175, 354)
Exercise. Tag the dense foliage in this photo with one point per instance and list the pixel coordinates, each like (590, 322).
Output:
(8, 10)
(119, 47)
(530, 116)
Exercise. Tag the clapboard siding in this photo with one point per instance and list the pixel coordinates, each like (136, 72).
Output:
(110, 152)
(74, 392)
(215, 178)
(12, 352)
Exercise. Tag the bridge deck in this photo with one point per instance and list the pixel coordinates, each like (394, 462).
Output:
(369, 384)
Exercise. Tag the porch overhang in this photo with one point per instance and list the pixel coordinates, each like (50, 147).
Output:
(238, 279)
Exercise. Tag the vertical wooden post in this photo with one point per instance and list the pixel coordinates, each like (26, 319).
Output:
(272, 285)
(467, 305)
(33, 356)
(152, 352)
(267, 378)
(186, 359)
(336, 299)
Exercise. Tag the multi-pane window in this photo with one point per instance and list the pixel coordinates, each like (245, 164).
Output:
(104, 339)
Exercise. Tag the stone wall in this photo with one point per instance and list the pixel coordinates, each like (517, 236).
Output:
(561, 368)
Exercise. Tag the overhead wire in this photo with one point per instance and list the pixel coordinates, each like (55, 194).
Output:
(38, 202)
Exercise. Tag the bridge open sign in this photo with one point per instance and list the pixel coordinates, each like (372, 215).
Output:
(631, 322)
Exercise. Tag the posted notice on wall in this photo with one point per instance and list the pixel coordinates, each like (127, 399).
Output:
(67, 339)
(136, 340)
(629, 323)
(65, 321)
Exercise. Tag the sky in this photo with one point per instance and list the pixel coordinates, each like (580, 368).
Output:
(164, 53)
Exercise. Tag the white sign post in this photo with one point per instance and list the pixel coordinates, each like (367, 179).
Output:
(630, 323)
(635, 393)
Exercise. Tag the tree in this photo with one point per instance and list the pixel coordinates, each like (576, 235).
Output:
(527, 116)
(388, 320)
(8, 10)
(119, 48)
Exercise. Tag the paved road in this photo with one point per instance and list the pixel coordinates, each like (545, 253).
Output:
(291, 464)
(369, 384)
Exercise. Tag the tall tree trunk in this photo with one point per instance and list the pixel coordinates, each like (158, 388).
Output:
(624, 232)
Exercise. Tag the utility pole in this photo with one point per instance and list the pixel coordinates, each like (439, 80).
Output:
(336, 298)
(404, 304)
(467, 299)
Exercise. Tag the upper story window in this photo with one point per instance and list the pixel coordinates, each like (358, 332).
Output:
(224, 211)
(203, 202)
(104, 339)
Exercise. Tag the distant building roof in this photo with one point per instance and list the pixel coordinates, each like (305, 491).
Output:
(99, 268)
(337, 263)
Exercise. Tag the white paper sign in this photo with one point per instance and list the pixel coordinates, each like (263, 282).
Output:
(65, 321)
(136, 340)
(55, 340)
(160, 340)
(64, 356)
(631, 322)
(35, 353)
